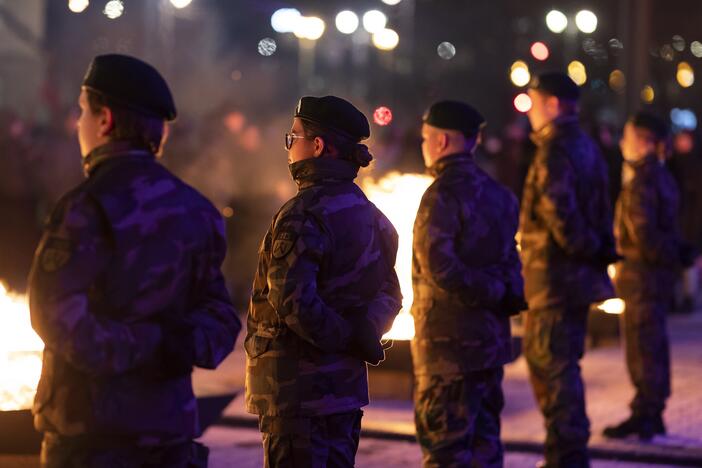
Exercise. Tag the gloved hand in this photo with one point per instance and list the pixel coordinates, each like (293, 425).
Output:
(607, 253)
(177, 348)
(512, 303)
(687, 254)
(364, 343)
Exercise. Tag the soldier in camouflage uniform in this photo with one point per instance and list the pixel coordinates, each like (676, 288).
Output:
(324, 293)
(467, 282)
(647, 238)
(126, 290)
(566, 245)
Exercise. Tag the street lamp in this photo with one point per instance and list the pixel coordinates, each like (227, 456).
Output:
(113, 9)
(446, 50)
(539, 51)
(374, 21)
(586, 21)
(556, 21)
(309, 27)
(181, 3)
(577, 72)
(386, 39)
(522, 102)
(685, 75)
(285, 19)
(519, 74)
(77, 6)
(346, 22)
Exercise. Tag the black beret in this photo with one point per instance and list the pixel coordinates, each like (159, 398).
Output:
(652, 123)
(557, 84)
(132, 83)
(455, 115)
(334, 113)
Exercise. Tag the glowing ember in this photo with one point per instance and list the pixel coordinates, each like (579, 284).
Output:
(20, 353)
(398, 196)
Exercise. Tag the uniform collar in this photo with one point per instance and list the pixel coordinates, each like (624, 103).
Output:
(452, 159)
(317, 171)
(549, 131)
(112, 150)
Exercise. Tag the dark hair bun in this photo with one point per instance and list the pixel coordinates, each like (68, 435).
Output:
(361, 155)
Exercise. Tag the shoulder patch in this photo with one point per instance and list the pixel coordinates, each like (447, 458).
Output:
(283, 243)
(55, 254)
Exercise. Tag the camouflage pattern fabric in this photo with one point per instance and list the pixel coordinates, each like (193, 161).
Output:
(328, 256)
(465, 263)
(554, 343)
(124, 254)
(566, 244)
(89, 452)
(458, 418)
(315, 442)
(566, 220)
(648, 238)
(466, 278)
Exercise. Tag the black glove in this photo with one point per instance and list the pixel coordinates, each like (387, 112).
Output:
(687, 253)
(512, 304)
(608, 253)
(177, 348)
(364, 343)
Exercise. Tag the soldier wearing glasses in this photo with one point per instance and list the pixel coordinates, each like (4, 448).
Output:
(324, 293)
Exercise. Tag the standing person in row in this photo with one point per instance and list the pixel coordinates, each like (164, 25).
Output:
(467, 282)
(325, 291)
(566, 245)
(648, 239)
(685, 165)
(126, 290)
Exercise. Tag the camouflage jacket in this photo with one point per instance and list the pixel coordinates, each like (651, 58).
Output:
(646, 230)
(464, 261)
(565, 227)
(125, 252)
(329, 253)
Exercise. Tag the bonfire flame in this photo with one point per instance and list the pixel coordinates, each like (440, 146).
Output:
(20, 353)
(397, 196)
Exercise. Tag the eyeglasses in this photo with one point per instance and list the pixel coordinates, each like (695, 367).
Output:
(290, 137)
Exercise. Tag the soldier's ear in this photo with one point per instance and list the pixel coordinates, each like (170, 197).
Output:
(105, 121)
(319, 146)
(553, 105)
(164, 138)
(443, 140)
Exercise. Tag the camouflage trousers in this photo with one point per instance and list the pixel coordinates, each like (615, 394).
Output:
(92, 452)
(647, 354)
(554, 343)
(457, 417)
(317, 442)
